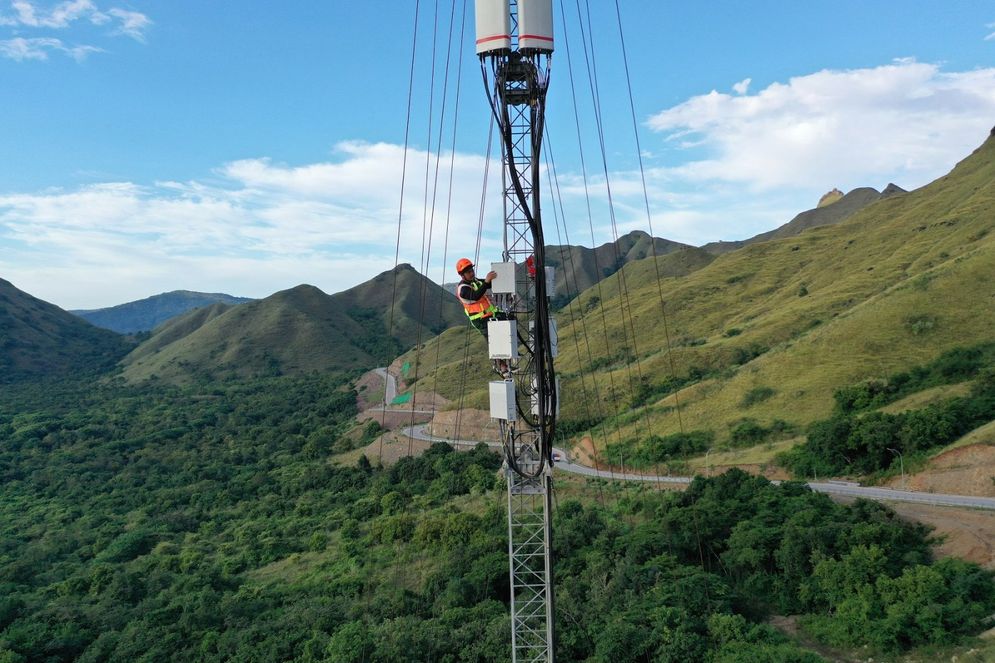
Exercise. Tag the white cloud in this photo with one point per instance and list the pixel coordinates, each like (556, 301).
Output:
(743, 86)
(257, 226)
(264, 227)
(133, 24)
(63, 16)
(906, 122)
(60, 16)
(20, 49)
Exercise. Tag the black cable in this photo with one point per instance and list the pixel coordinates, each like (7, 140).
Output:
(449, 201)
(556, 196)
(590, 221)
(422, 265)
(545, 377)
(427, 252)
(400, 210)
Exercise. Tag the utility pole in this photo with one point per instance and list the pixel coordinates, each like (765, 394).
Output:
(901, 464)
(514, 44)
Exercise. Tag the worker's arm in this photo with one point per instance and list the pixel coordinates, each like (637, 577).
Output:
(474, 291)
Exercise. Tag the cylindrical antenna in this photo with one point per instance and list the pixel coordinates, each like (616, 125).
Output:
(493, 26)
(535, 26)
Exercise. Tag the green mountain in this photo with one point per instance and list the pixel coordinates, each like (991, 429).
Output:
(769, 331)
(579, 267)
(147, 314)
(177, 328)
(823, 215)
(299, 330)
(40, 340)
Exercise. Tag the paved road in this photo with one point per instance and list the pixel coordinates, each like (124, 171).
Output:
(853, 490)
(390, 389)
(390, 393)
(867, 492)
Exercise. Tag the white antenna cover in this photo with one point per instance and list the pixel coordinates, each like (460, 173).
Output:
(493, 26)
(535, 25)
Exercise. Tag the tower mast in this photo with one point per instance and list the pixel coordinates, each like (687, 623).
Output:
(515, 44)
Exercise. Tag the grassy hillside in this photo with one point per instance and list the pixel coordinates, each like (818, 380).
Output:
(769, 331)
(421, 309)
(177, 327)
(297, 331)
(147, 314)
(40, 340)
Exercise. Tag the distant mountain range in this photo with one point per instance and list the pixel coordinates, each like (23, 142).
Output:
(577, 267)
(303, 329)
(38, 339)
(147, 314)
(298, 331)
(832, 209)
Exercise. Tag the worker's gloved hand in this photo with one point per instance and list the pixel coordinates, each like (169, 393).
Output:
(490, 276)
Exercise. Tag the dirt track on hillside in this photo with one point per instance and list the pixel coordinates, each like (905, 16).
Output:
(965, 471)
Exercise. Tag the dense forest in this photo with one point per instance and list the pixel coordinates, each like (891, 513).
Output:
(208, 524)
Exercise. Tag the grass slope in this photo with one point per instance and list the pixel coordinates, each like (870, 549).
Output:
(893, 285)
(297, 331)
(40, 340)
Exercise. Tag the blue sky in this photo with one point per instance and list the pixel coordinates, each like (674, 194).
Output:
(249, 147)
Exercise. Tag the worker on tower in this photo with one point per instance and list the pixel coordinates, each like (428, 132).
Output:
(472, 293)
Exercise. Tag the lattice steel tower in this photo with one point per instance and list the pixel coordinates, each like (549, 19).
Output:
(515, 43)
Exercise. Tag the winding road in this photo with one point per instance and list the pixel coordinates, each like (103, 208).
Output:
(832, 488)
(847, 489)
(390, 393)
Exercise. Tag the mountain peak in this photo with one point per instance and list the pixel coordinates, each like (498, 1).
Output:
(303, 288)
(830, 197)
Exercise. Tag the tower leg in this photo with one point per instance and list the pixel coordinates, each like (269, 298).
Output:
(529, 534)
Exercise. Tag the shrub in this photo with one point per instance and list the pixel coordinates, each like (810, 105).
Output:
(747, 354)
(757, 395)
(920, 324)
(748, 433)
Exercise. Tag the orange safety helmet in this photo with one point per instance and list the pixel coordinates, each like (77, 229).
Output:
(462, 265)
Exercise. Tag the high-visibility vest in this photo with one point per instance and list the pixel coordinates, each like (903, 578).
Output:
(481, 308)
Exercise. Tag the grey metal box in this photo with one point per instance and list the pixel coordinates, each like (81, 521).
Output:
(502, 339)
(502, 394)
(504, 284)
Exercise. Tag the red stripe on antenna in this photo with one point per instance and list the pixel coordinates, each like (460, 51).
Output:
(494, 38)
(540, 37)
